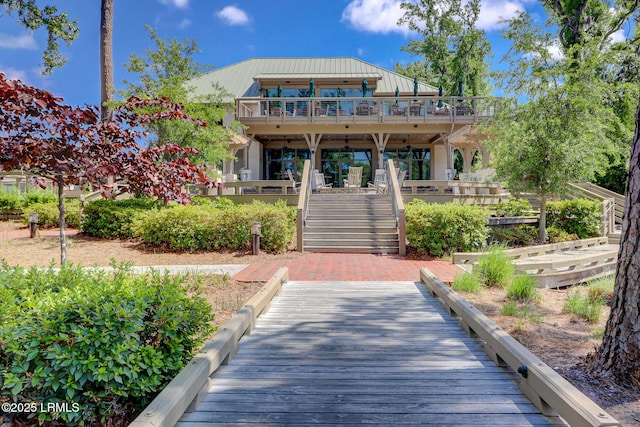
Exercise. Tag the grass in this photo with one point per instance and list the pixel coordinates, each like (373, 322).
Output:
(601, 289)
(468, 282)
(522, 288)
(495, 267)
(583, 307)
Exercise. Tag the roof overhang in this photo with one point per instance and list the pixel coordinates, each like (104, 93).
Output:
(272, 80)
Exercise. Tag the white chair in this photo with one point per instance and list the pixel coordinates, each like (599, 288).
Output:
(379, 183)
(354, 178)
(296, 185)
(401, 176)
(320, 184)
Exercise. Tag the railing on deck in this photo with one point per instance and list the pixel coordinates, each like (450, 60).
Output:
(398, 208)
(386, 109)
(303, 204)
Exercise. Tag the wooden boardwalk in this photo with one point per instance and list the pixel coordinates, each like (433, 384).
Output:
(337, 353)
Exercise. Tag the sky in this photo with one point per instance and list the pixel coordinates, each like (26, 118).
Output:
(227, 32)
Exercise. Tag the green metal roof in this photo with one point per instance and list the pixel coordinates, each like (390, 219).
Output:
(243, 78)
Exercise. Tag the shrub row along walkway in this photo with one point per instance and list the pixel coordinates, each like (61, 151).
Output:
(347, 267)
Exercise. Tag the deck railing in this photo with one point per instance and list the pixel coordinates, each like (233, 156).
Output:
(385, 109)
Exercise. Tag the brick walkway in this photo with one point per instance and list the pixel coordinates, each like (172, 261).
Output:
(347, 267)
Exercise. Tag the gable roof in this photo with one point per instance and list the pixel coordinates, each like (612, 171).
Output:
(243, 78)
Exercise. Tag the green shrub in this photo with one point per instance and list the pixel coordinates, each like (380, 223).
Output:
(38, 196)
(522, 288)
(114, 218)
(514, 207)
(494, 267)
(520, 235)
(206, 227)
(583, 307)
(467, 282)
(10, 200)
(106, 341)
(49, 216)
(580, 217)
(443, 229)
(556, 235)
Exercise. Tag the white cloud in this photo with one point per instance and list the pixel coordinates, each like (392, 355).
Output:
(14, 73)
(374, 16)
(180, 4)
(233, 16)
(360, 52)
(26, 41)
(184, 24)
(617, 37)
(492, 11)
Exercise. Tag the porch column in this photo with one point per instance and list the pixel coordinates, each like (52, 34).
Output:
(381, 140)
(467, 156)
(486, 157)
(313, 141)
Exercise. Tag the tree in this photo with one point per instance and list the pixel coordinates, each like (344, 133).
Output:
(72, 146)
(167, 71)
(106, 58)
(58, 26)
(452, 47)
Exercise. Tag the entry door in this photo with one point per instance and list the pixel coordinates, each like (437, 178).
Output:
(335, 164)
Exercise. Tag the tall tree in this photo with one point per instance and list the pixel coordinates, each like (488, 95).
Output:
(106, 58)
(452, 47)
(58, 27)
(166, 71)
(72, 146)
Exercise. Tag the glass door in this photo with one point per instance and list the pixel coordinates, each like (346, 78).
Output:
(335, 164)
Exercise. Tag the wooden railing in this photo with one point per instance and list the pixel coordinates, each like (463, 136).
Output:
(398, 208)
(386, 109)
(303, 205)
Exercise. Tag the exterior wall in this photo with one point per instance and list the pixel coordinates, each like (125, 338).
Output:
(439, 162)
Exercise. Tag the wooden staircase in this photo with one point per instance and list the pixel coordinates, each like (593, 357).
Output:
(350, 223)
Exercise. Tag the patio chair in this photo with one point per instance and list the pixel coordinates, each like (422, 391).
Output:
(296, 185)
(320, 183)
(401, 176)
(354, 178)
(379, 183)
(364, 109)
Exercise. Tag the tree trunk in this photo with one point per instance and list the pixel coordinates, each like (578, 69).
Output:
(619, 353)
(106, 58)
(542, 224)
(63, 236)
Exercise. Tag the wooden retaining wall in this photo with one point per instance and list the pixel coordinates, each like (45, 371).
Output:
(185, 391)
(548, 391)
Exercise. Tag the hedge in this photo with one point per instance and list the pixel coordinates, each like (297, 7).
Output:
(108, 342)
(208, 227)
(440, 229)
(49, 216)
(578, 216)
(110, 219)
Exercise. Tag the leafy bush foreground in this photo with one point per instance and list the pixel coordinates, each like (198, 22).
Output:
(105, 342)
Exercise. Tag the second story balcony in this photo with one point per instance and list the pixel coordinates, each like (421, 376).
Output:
(418, 109)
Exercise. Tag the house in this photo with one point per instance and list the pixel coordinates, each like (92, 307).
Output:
(341, 112)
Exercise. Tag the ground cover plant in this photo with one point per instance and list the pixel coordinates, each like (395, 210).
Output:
(106, 341)
(494, 267)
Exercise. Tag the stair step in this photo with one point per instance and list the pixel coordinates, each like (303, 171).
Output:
(323, 235)
(353, 250)
(349, 225)
(384, 243)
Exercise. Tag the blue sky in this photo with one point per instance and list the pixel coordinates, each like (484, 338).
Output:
(227, 32)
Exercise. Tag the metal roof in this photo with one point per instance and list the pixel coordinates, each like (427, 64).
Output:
(241, 79)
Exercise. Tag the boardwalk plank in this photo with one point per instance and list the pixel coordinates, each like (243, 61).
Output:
(361, 352)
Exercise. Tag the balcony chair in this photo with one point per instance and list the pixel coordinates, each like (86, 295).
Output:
(296, 185)
(320, 184)
(379, 183)
(364, 109)
(354, 179)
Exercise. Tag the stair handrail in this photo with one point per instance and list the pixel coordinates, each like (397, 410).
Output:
(398, 208)
(303, 204)
(608, 207)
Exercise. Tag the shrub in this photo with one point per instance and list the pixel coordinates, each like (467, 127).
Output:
(206, 227)
(583, 307)
(556, 235)
(467, 282)
(114, 218)
(494, 267)
(38, 196)
(10, 200)
(106, 341)
(520, 235)
(514, 207)
(580, 217)
(49, 216)
(443, 229)
(522, 288)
